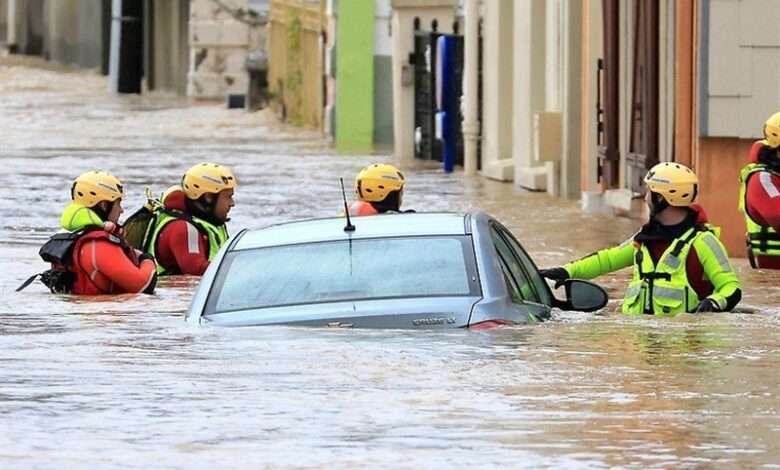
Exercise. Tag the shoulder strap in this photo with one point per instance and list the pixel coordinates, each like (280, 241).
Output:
(27, 282)
(680, 243)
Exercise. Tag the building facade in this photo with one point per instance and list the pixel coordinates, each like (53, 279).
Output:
(196, 48)
(581, 98)
(330, 68)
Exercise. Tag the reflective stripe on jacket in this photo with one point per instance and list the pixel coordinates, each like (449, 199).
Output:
(217, 235)
(761, 240)
(664, 289)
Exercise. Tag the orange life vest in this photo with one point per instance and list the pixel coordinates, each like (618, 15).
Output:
(83, 284)
(362, 208)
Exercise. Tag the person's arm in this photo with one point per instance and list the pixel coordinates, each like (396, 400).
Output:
(187, 245)
(602, 262)
(112, 262)
(727, 291)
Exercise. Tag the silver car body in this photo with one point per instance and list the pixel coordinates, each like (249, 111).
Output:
(492, 303)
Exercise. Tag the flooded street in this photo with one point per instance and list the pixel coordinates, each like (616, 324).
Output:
(124, 382)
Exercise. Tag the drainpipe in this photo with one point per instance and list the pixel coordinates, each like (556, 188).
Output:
(470, 84)
(116, 35)
(11, 35)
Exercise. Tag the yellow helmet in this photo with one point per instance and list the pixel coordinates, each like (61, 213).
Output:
(375, 182)
(207, 178)
(93, 187)
(772, 130)
(675, 182)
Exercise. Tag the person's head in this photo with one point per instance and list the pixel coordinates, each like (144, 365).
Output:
(772, 130)
(210, 188)
(381, 185)
(670, 184)
(102, 192)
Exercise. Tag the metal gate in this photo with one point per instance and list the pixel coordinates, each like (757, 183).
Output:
(427, 146)
(424, 58)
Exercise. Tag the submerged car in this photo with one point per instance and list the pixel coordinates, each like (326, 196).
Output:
(433, 270)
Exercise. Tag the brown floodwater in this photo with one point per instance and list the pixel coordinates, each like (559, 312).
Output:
(123, 382)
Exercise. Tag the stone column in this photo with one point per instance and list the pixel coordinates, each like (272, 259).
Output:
(529, 90)
(497, 91)
(12, 38)
(470, 87)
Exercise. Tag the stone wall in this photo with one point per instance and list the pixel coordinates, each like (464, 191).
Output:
(222, 33)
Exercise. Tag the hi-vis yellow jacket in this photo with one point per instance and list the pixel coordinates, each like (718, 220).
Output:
(663, 288)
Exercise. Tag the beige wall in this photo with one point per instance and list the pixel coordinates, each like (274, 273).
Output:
(741, 78)
(218, 48)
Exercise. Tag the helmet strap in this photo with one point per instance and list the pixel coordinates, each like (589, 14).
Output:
(103, 211)
(389, 203)
(204, 208)
(658, 204)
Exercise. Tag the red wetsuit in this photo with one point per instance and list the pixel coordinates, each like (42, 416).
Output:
(762, 197)
(181, 247)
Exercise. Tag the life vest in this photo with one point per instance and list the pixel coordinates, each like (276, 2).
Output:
(217, 234)
(67, 275)
(664, 289)
(761, 240)
(362, 208)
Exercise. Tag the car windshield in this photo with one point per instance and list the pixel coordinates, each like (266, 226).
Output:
(344, 270)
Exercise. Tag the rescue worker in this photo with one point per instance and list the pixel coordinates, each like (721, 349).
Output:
(759, 198)
(190, 226)
(679, 264)
(93, 257)
(379, 189)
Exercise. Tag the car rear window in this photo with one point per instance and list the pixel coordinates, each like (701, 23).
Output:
(343, 270)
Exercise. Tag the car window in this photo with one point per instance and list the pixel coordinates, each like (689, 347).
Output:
(514, 290)
(343, 270)
(519, 281)
(532, 273)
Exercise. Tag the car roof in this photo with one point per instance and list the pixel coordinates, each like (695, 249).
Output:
(332, 229)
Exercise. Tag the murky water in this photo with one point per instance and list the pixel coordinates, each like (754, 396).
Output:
(124, 382)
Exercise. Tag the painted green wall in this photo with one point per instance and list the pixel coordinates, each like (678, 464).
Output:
(355, 76)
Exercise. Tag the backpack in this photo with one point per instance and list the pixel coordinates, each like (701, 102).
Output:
(137, 225)
(58, 251)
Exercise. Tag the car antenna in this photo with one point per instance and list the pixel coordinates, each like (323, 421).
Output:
(349, 227)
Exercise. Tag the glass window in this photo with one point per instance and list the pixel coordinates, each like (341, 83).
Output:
(521, 284)
(343, 270)
(531, 271)
(514, 290)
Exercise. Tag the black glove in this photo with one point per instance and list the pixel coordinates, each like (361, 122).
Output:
(707, 305)
(144, 256)
(556, 274)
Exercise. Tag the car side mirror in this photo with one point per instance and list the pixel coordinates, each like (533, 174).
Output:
(583, 296)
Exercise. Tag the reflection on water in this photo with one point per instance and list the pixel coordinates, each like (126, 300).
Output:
(123, 381)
